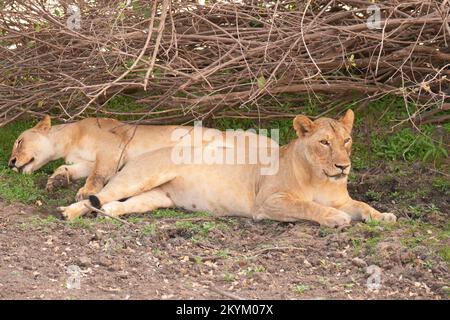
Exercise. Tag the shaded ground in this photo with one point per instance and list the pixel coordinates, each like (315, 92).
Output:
(173, 255)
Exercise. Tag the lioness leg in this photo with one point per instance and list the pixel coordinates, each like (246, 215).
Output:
(132, 180)
(106, 165)
(362, 211)
(285, 207)
(66, 173)
(142, 203)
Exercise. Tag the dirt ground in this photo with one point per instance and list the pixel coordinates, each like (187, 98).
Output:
(192, 256)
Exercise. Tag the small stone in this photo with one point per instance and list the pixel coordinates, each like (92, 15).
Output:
(96, 236)
(111, 268)
(242, 263)
(307, 263)
(406, 257)
(84, 261)
(336, 254)
(105, 262)
(359, 262)
(315, 262)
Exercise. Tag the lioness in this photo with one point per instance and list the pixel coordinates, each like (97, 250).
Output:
(311, 182)
(93, 148)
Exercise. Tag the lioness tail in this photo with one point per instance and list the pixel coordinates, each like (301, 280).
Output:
(95, 202)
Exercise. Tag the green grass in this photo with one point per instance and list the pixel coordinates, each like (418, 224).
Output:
(445, 253)
(410, 146)
(49, 220)
(229, 277)
(224, 254)
(201, 229)
(374, 195)
(81, 223)
(15, 187)
(301, 288)
(441, 184)
(149, 230)
(124, 104)
(169, 213)
(37, 222)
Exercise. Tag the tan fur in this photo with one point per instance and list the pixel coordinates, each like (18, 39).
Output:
(311, 182)
(92, 148)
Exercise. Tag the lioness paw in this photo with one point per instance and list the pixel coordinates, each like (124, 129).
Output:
(336, 219)
(389, 217)
(73, 211)
(60, 180)
(66, 213)
(385, 216)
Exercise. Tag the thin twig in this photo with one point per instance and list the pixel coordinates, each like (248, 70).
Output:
(103, 213)
(226, 293)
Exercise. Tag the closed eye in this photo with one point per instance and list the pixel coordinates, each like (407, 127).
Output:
(325, 142)
(347, 140)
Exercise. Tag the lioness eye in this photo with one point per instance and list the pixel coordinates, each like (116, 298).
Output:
(19, 142)
(324, 142)
(347, 140)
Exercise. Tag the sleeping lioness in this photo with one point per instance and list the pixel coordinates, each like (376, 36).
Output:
(311, 182)
(92, 148)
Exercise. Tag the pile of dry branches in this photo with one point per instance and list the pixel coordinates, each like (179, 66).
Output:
(181, 60)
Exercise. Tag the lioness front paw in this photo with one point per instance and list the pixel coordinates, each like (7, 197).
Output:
(382, 216)
(389, 217)
(57, 181)
(336, 219)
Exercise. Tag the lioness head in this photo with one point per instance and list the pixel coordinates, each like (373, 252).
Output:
(326, 145)
(32, 148)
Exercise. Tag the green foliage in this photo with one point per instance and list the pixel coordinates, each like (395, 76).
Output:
(442, 184)
(444, 252)
(301, 288)
(410, 146)
(15, 186)
(225, 254)
(373, 195)
(123, 104)
(169, 213)
(201, 229)
(141, 9)
(229, 277)
(81, 223)
(149, 230)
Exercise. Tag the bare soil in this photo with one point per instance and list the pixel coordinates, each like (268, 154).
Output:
(201, 257)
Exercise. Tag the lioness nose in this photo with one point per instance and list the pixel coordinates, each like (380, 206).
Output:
(342, 166)
(12, 163)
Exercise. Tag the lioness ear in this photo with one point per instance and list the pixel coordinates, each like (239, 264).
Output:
(303, 125)
(45, 124)
(348, 119)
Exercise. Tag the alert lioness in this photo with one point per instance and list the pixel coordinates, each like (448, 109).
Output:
(311, 182)
(92, 148)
